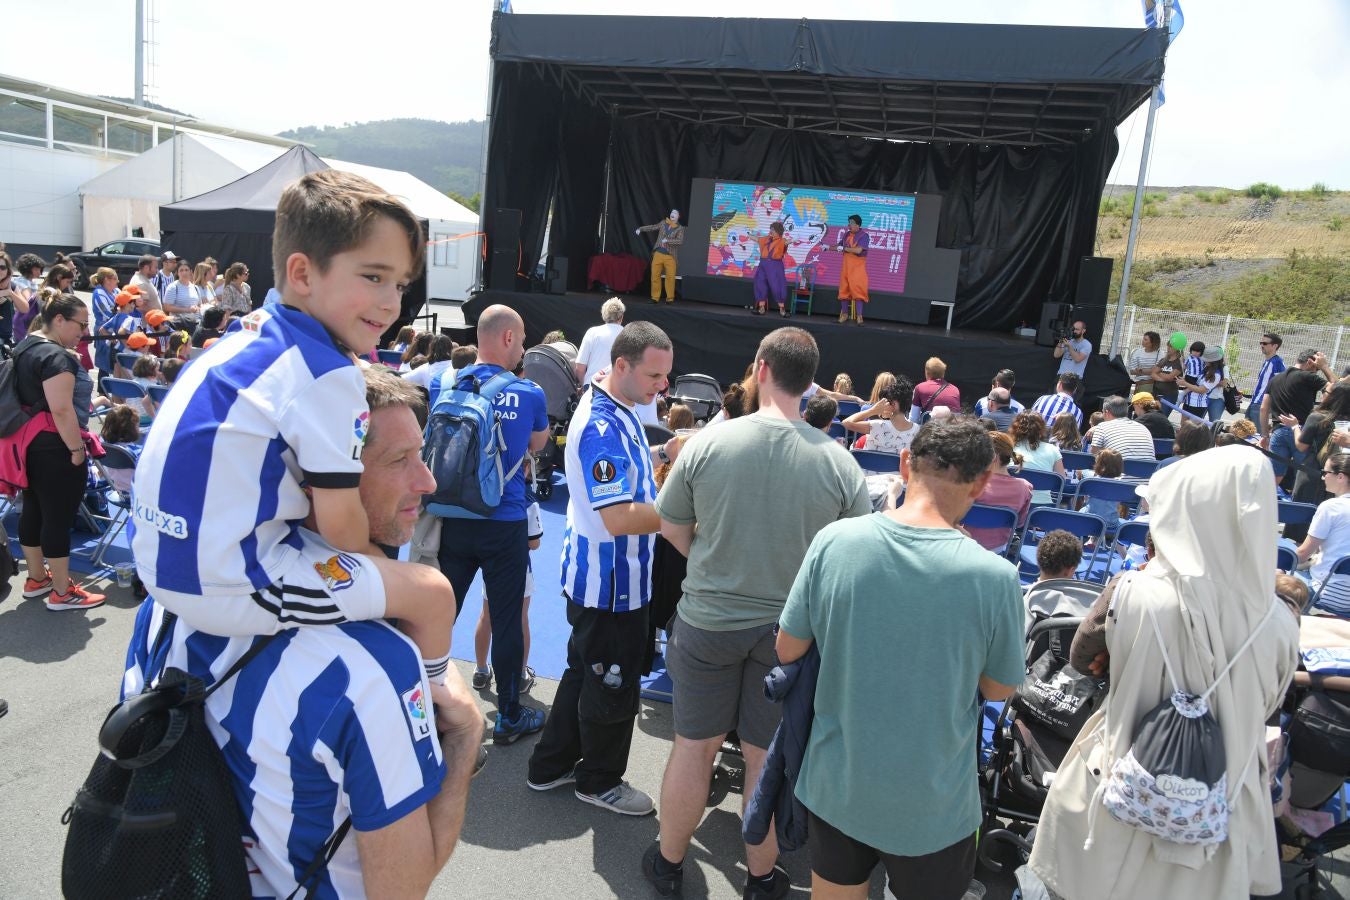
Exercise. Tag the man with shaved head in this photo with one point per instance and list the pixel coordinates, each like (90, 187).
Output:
(499, 545)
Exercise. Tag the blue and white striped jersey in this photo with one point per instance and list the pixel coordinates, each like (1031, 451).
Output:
(1195, 373)
(608, 462)
(1052, 405)
(217, 493)
(1269, 369)
(327, 721)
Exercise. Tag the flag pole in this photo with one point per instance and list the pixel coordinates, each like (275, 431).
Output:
(1144, 158)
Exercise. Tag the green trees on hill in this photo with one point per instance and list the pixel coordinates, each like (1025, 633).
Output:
(446, 155)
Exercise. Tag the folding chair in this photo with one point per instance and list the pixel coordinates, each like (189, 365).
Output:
(804, 291)
(1044, 481)
(1286, 560)
(1075, 460)
(1130, 534)
(126, 389)
(1045, 519)
(1142, 469)
(127, 360)
(838, 432)
(875, 461)
(802, 408)
(114, 458)
(158, 392)
(848, 408)
(1114, 490)
(1289, 512)
(391, 358)
(982, 516)
(1162, 447)
(1338, 591)
(701, 393)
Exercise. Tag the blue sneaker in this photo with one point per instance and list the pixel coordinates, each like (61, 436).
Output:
(527, 721)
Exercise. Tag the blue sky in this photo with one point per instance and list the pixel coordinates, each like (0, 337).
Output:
(1253, 88)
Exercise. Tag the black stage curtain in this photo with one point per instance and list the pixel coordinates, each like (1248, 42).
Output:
(1021, 217)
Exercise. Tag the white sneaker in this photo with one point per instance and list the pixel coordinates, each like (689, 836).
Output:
(623, 799)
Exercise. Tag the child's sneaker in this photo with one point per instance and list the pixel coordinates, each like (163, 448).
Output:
(75, 597)
(36, 590)
(527, 721)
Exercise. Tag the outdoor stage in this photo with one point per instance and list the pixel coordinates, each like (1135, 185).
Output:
(720, 341)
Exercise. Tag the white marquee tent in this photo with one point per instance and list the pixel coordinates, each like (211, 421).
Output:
(128, 197)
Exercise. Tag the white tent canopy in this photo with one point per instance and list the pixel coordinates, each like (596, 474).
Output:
(128, 197)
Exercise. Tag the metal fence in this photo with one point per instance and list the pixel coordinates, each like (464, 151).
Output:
(1239, 337)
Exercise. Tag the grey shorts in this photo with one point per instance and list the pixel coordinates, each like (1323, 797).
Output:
(718, 680)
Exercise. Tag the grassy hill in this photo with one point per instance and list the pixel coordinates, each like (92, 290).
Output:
(1258, 252)
(446, 155)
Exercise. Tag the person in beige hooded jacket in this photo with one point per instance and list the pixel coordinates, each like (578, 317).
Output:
(1210, 586)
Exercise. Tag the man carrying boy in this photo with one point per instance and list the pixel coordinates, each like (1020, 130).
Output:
(499, 545)
(277, 423)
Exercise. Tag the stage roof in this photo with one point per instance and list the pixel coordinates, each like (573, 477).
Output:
(917, 81)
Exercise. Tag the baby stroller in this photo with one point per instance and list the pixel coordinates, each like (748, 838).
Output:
(552, 367)
(1034, 730)
(701, 393)
(1315, 728)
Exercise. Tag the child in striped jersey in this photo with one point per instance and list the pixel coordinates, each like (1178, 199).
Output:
(272, 423)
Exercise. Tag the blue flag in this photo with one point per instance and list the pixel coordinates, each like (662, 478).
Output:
(1153, 17)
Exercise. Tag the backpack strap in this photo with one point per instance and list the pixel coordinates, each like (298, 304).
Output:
(321, 860)
(1251, 638)
(928, 404)
(492, 389)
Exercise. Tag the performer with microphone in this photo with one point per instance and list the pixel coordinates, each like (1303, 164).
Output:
(770, 277)
(853, 274)
(666, 254)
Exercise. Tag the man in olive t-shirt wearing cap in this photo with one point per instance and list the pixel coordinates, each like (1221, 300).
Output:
(743, 502)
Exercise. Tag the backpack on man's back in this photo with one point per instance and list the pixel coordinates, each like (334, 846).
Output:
(464, 449)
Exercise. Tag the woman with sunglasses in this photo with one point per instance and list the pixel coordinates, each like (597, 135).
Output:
(1330, 533)
(60, 278)
(49, 379)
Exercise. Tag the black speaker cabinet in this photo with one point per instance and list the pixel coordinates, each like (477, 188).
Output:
(1055, 317)
(1094, 283)
(555, 280)
(502, 269)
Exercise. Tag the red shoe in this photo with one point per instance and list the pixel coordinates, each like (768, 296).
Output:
(75, 597)
(36, 590)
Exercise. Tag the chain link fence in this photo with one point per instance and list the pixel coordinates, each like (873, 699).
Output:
(1239, 337)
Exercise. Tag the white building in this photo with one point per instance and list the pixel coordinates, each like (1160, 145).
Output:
(52, 141)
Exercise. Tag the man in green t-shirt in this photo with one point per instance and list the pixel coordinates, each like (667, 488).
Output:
(743, 501)
(914, 621)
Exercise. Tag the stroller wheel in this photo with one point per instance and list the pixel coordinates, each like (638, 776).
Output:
(1003, 851)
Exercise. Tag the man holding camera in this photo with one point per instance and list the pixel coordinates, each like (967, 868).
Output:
(1073, 349)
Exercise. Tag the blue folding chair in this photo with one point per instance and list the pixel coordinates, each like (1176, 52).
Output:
(127, 360)
(1115, 490)
(848, 408)
(1130, 534)
(1141, 468)
(801, 409)
(1045, 519)
(1044, 481)
(837, 431)
(875, 461)
(1074, 460)
(158, 392)
(1286, 560)
(1162, 447)
(114, 458)
(1289, 512)
(125, 389)
(391, 358)
(982, 516)
(1338, 593)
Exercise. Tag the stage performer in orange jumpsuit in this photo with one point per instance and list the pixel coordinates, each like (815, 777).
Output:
(770, 278)
(853, 273)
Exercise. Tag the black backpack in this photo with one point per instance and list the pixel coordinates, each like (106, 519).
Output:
(13, 414)
(157, 816)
